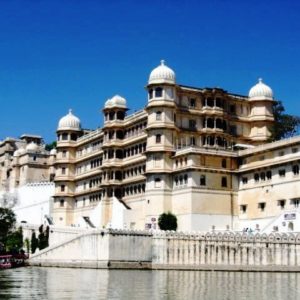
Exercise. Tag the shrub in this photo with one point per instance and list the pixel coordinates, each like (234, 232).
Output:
(167, 221)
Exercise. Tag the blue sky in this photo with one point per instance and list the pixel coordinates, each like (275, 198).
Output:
(57, 55)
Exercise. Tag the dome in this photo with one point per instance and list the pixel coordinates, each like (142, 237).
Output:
(53, 151)
(17, 152)
(32, 146)
(162, 74)
(69, 122)
(118, 101)
(260, 91)
(107, 104)
(21, 151)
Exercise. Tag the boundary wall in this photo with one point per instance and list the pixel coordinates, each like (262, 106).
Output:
(124, 249)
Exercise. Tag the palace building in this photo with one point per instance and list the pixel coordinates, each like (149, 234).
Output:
(201, 153)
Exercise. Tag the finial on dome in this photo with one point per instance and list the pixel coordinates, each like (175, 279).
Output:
(162, 62)
(260, 80)
(70, 111)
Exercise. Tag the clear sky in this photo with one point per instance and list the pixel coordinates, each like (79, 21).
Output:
(61, 54)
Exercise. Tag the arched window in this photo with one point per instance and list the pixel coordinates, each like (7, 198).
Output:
(157, 182)
(158, 92)
(158, 116)
(185, 178)
(224, 163)
(158, 138)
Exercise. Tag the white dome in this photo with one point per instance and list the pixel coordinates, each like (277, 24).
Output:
(69, 122)
(53, 151)
(17, 152)
(260, 91)
(32, 146)
(162, 74)
(115, 101)
(118, 101)
(107, 104)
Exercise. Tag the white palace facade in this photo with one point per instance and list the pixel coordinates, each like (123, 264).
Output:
(201, 153)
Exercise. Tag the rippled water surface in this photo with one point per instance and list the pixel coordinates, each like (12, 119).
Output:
(59, 283)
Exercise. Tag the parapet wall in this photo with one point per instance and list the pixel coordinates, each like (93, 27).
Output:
(175, 250)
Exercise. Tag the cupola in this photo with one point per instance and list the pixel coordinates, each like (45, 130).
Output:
(261, 91)
(69, 122)
(162, 74)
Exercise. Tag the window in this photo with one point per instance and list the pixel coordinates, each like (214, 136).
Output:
(256, 177)
(34, 158)
(281, 153)
(157, 182)
(64, 136)
(202, 180)
(64, 153)
(262, 206)
(61, 202)
(158, 116)
(192, 103)
(294, 150)
(224, 182)
(269, 175)
(295, 202)
(192, 141)
(185, 178)
(296, 170)
(62, 188)
(192, 124)
(245, 180)
(158, 138)
(262, 176)
(158, 92)
(224, 163)
(281, 172)
(150, 94)
(243, 208)
(281, 203)
(63, 170)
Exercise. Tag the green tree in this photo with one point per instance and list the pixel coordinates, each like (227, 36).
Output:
(50, 146)
(167, 221)
(14, 241)
(27, 245)
(34, 242)
(7, 224)
(285, 125)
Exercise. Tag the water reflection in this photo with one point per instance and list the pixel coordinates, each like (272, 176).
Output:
(59, 283)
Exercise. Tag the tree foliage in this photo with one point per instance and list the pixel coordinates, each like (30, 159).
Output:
(7, 224)
(34, 242)
(14, 241)
(167, 221)
(50, 146)
(285, 125)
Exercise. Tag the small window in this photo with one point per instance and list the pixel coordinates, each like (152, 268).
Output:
(294, 150)
(61, 202)
(158, 92)
(256, 177)
(224, 163)
(224, 182)
(192, 124)
(34, 158)
(262, 176)
(157, 182)
(63, 170)
(245, 180)
(243, 208)
(64, 153)
(296, 170)
(158, 116)
(281, 203)
(185, 178)
(262, 206)
(202, 180)
(192, 103)
(269, 175)
(158, 138)
(281, 153)
(62, 188)
(281, 172)
(64, 136)
(295, 202)
(150, 93)
(192, 141)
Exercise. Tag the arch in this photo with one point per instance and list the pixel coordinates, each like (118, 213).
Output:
(291, 226)
(158, 92)
(158, 116)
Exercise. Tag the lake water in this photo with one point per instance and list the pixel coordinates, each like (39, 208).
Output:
(60, 283)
